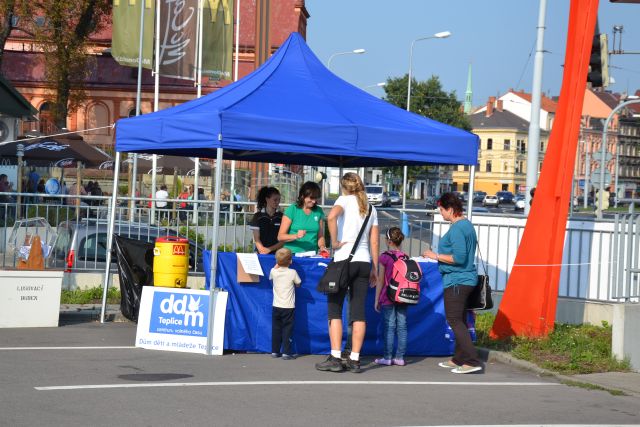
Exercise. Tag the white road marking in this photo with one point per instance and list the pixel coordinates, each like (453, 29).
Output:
(538, 425)
(281, 383)
(67, 348)
(387, 214)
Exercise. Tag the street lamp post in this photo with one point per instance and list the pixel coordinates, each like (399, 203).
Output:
(603, 152)
(604, 140)
(440, 35)
(381, 84)
(351, 52)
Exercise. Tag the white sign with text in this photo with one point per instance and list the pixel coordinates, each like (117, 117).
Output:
(29, 299)
(174, 319)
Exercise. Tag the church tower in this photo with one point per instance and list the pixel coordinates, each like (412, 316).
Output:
(468, 95)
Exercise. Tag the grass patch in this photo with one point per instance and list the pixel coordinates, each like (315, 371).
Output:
(589, 386)
(89, 296)
(569, 349)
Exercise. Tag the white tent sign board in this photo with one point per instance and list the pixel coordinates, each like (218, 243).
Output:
(173, 319)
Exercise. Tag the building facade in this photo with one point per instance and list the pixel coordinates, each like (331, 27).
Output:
(111, 88)
(623, 142)
(502, 158)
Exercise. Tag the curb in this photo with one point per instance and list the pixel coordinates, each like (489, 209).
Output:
(91, 312)
(508, 359)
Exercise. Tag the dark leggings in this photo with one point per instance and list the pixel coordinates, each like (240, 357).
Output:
(455, 304)
(359, 272)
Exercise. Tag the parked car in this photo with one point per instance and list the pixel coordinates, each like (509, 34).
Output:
(505, 196)
(375, 194)
(82, 245)
(478, 196)
(430, 202)
(462, 195)
(490, 200)
(519, 202)
(394, 198)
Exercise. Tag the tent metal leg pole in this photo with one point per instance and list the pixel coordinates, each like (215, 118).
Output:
(112, 220)
(214, 248)
(472, 179)
(134, 178)
(196, 184)
(404, 188)
(232, 189)
(154, 166)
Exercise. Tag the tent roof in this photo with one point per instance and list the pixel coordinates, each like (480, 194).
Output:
(294, 110)
(12, 103)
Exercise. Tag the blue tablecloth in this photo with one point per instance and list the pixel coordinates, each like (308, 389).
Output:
(248, 320)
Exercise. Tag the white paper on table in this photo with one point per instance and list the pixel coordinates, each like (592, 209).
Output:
(306, 254)
(250, 264)
(423, 259)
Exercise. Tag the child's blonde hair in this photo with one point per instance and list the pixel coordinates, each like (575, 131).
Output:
(283, 257)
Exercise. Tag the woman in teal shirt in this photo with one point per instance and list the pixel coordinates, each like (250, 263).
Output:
(302, 226)
(455, 258)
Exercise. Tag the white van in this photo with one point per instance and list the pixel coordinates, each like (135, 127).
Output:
(375, 194)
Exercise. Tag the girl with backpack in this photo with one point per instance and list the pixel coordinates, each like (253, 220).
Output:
(394, 314)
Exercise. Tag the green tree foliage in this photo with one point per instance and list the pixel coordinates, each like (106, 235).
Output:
(428, 99)
(62, 36)
(12, 12)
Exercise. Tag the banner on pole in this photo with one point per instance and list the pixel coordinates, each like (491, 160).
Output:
(178, 38)
(125, 39)
(217, 54)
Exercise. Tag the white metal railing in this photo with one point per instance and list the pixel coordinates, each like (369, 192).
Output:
(589, 262)
(600, 259)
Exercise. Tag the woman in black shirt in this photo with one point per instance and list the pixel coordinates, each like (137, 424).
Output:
(266, 221)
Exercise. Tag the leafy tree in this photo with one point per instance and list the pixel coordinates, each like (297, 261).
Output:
(428, 99)
(11, 12)
(62, 36)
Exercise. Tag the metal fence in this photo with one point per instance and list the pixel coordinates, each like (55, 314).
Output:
(596, 256)
(626, 257)
(600, 258)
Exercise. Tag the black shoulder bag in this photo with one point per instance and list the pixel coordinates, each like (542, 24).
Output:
(336, 276)
(480, 298)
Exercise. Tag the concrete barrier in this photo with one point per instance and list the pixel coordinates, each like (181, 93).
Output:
(625, 336)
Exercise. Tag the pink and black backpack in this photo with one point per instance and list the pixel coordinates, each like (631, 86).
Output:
(404, 285)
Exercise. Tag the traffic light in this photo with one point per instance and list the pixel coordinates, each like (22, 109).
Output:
(599, 62)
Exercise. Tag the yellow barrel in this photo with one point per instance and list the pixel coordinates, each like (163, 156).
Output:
(171, 262)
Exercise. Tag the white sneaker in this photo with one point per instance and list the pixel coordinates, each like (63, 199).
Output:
(466, 369)
(448, 364)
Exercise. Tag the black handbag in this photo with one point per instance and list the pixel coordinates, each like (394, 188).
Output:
(480, 298)
(336, 276)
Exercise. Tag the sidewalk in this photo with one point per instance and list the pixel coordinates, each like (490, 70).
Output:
(613, 382)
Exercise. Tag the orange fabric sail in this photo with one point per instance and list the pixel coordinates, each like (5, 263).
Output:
(528, 306)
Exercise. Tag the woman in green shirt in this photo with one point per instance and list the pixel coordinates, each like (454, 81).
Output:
(302, 226)
(457, 249)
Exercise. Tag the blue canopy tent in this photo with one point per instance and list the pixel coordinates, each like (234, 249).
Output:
(292, 110)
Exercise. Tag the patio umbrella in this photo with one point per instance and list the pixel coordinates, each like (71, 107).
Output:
(61, 152)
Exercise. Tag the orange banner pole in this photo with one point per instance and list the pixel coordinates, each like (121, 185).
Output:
(528, 306)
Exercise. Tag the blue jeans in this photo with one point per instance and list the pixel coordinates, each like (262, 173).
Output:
(395, 321)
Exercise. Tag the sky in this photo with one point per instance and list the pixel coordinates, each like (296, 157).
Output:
(496, 36)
